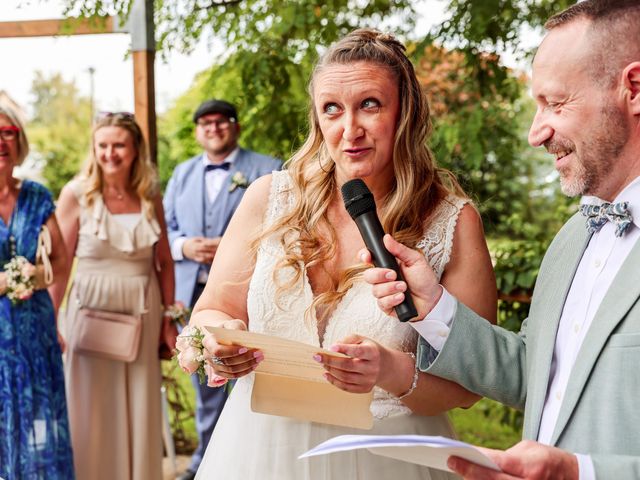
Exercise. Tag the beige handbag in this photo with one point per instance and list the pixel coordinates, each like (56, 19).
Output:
(110, 335)
(115, 336)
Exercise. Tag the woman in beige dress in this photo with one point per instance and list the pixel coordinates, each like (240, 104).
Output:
(112, 221)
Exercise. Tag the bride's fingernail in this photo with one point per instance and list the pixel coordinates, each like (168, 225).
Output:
(259, 356)
(243, 350)
(390, 275)
(399, 296)
(317, 358)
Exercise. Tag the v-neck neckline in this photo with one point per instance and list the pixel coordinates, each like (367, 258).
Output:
(9, 224)
(330, 320)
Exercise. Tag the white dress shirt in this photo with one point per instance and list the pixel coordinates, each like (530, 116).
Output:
(598, 266)
(214, 180)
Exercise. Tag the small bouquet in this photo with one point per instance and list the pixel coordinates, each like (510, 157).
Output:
(191, 354)
(178, 313)
(21, 280)
(238, 180)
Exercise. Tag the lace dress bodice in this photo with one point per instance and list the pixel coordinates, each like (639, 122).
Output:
(357, 312)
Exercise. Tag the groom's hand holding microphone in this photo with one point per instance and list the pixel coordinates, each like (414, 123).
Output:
(393, 261)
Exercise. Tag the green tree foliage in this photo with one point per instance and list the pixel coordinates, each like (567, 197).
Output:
(494, 25)
(60, 128)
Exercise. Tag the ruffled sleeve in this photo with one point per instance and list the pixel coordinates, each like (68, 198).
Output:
(97, 220)
(106, 228)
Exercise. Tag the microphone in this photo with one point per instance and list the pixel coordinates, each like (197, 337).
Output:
(359, 202)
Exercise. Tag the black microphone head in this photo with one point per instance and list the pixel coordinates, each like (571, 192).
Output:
(357, 197)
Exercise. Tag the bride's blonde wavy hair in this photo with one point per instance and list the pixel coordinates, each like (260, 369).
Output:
(143, 177)
(418, 187)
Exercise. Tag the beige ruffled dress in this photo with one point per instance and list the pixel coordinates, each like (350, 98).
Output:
(114, 407)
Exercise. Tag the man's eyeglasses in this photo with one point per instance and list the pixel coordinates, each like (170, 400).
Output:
(220, 123)
(9, 133)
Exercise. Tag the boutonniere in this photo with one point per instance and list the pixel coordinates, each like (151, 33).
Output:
(238, 180)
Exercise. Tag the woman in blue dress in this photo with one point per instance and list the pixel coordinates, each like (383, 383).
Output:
(34, 432)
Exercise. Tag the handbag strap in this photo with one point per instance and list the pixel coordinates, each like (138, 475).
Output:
(42, 254)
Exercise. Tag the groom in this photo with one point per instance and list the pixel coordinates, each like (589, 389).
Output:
(202, 195)
(574, 366)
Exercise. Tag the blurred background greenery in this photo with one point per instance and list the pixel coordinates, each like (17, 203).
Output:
(480, 108)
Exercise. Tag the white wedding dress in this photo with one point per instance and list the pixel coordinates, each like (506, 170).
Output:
(253, 446)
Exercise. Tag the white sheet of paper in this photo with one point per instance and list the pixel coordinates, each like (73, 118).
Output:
(424, 450)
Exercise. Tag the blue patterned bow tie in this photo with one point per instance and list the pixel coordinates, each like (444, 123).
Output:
(211, 166)
(598, 215)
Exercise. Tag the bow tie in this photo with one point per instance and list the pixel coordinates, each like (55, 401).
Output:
(211, 166)
(598, 215)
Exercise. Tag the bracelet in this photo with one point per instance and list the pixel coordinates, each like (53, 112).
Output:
(414, 383)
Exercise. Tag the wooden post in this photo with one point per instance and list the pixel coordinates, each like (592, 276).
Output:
(144, 97)
(143, 46)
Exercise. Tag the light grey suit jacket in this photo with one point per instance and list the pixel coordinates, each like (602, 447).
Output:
(600, 414)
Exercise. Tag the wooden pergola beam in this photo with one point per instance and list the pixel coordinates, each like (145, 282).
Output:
(50, 28)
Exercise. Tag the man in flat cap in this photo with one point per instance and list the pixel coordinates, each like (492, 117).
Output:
(200, 199)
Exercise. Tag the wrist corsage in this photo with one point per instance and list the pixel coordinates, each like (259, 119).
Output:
(21, 280)
(191, 354)
(238, 180)
(178, 313)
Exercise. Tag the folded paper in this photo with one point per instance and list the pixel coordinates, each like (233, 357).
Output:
(288, 382)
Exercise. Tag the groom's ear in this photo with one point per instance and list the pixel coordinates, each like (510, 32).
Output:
(631, 79)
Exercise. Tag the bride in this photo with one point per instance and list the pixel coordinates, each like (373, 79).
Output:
(369, 119)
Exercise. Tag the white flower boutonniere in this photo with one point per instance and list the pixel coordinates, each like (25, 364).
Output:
(238, 180)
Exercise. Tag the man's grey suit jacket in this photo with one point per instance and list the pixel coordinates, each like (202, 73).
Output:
(600, 414)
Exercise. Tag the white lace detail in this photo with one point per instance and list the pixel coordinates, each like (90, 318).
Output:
(438, 236)
(356, 313)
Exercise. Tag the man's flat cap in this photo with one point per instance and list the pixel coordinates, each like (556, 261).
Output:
(215, 106)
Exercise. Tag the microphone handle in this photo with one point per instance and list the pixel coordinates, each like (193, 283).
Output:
(372, 233)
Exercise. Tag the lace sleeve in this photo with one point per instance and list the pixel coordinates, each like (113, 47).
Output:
(438, 237)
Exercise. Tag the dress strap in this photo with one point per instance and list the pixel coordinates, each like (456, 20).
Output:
(280, 196)
(437, 242)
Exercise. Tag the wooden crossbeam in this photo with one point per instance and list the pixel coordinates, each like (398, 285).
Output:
(47, 28)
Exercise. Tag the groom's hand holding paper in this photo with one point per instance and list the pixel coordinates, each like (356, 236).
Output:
(289, 382)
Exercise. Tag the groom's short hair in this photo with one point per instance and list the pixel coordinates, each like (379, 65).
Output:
(613, 34)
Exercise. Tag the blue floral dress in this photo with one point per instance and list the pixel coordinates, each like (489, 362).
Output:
(34, 430)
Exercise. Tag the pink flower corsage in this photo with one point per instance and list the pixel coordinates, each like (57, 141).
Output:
(192, 353)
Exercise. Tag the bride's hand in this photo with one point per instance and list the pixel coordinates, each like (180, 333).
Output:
(361, 371)
(230, 361)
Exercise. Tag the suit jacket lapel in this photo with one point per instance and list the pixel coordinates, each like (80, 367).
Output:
(621, 296)
(549, 305)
